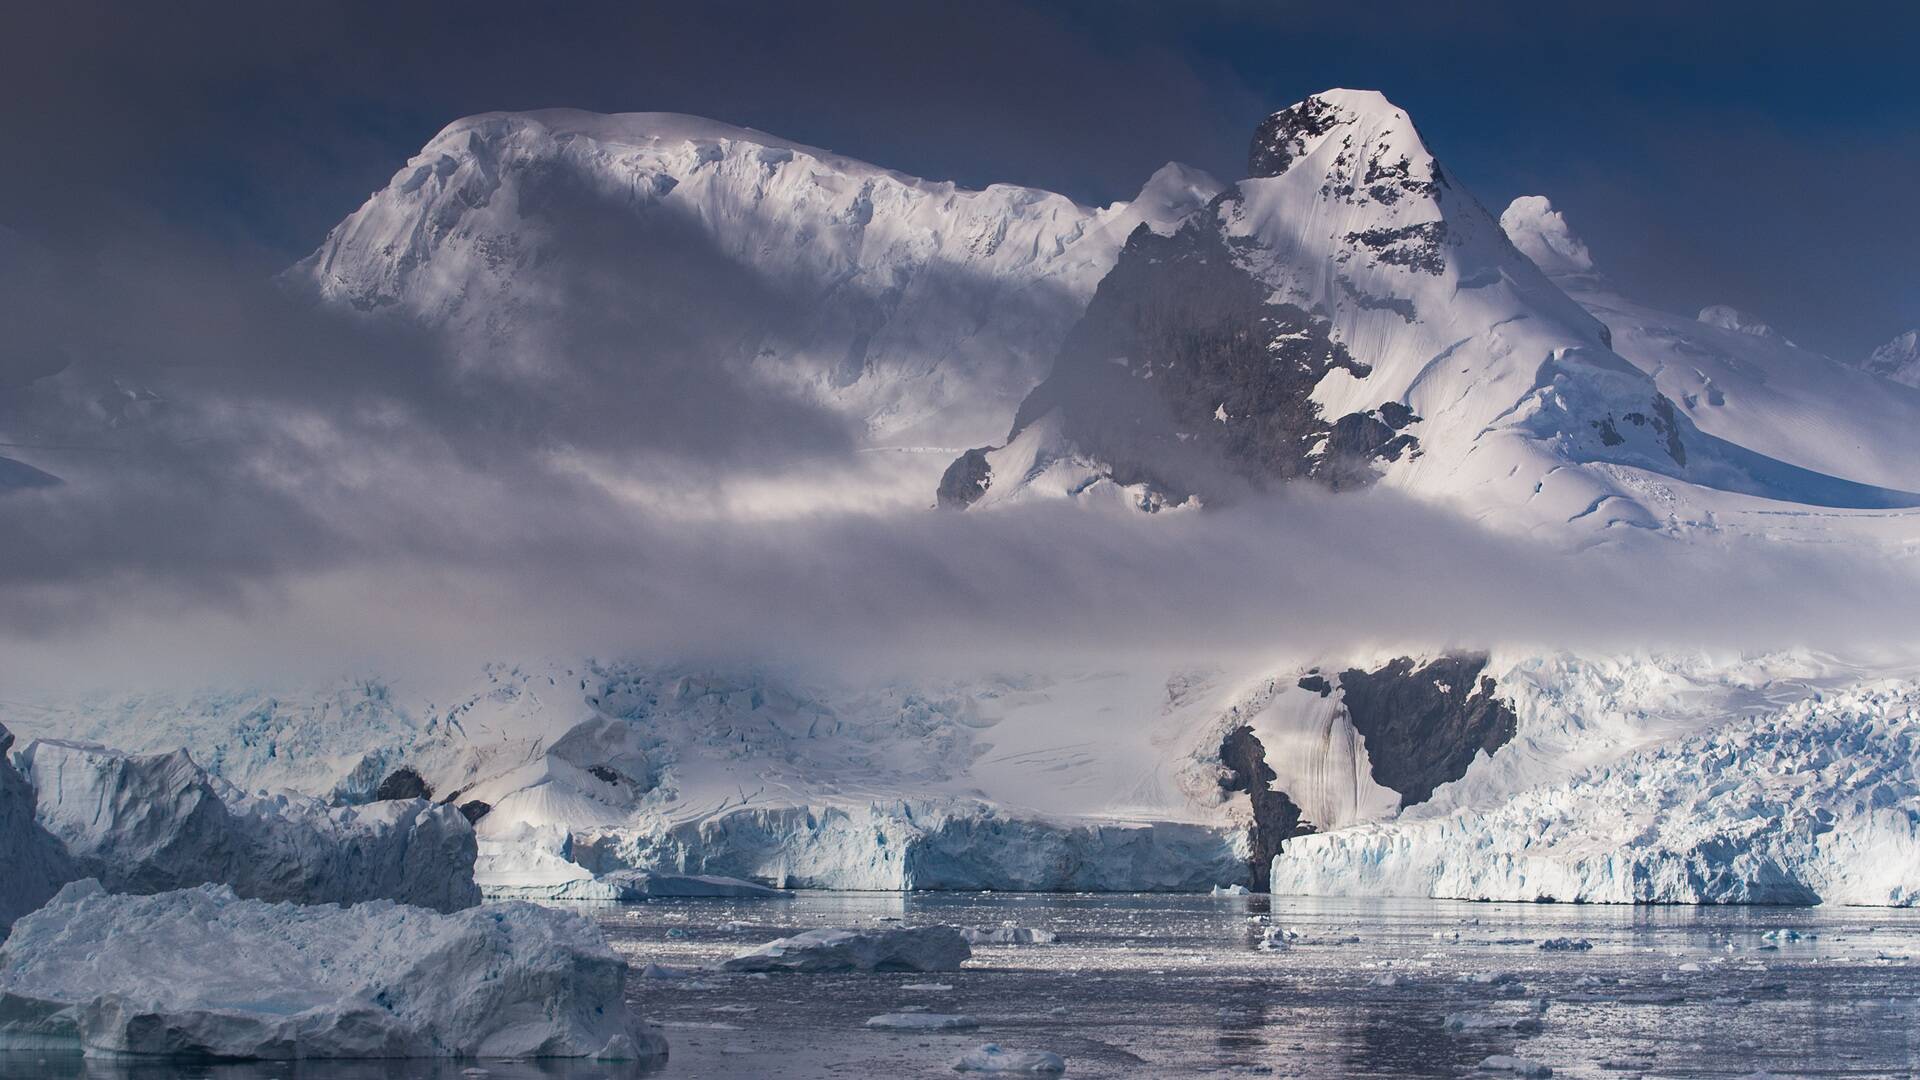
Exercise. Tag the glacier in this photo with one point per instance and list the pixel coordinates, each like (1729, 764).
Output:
(600, 776)
(203, 973)
(1818, 802)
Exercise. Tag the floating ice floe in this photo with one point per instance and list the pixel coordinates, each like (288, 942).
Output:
(1008, 935)
(922, 1021)
(1275, 938)
(994, 1058)
(203, 973)
(148, 823)
(1516, 1066)
(925, 948)
(1230, 890)
(1566, 944)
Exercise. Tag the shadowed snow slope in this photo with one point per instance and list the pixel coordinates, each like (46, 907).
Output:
(203, 973)
(919, 310)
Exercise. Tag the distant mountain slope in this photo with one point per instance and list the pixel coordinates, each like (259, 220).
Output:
(1898, 360)
(1734, 376)
(1350, 315)
(918, 310)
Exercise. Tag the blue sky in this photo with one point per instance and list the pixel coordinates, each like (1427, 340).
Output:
(1757, 154)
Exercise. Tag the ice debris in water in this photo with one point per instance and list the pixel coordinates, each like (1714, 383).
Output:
(1008, 935)
(1278, 937)
(1566, 944)
(203, 973)
(925, 948)
(1518, 1066)
(922, 1021)
(1230, 890)
(994, 1058)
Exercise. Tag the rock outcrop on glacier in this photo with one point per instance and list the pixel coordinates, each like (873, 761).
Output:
(33, 864)
(920, 948)
(1818, 802)
(919, 310)
(1349, 315)
(152, 823)
(203, 973)
(1735, 378)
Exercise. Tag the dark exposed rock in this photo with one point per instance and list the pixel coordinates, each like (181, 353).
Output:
(1419, 247)
(1185, 377)
(402, 783)
(1355, 443)
(1317, 683)
(1423, 726)
(1275, 817)
(605, 774)
(474, 809)
(1280, 137)
(966, 479)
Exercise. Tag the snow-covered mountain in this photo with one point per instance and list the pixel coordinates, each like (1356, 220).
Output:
(1349, 314)
(1898, 359)
(1734, 376)
(919, 310)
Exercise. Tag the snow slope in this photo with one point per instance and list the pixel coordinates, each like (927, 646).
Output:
(1734, 376)
(157, 822)
(203, 973)
(921, 310)
(1349, 314)
(1817, 802)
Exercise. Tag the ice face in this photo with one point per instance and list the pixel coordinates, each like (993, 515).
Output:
(203, 973)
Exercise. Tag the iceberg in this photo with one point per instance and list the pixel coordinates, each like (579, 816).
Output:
(36, 864)
(146, 823)
(922, 1022)
(1008, 935)
(994, 1058)
(925, 948)
(204, 973)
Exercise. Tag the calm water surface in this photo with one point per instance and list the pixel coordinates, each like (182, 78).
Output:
(1165, 986)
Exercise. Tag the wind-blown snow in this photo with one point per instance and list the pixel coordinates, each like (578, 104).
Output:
(920, 309)
(202, 973)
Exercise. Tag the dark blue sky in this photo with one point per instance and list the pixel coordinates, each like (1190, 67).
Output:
(1758, 154)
